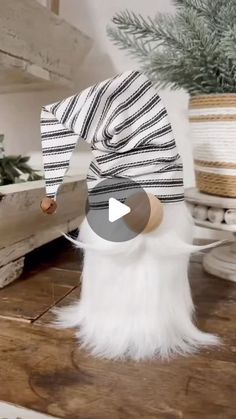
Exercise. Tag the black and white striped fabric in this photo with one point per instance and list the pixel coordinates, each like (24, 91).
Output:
(126, 124)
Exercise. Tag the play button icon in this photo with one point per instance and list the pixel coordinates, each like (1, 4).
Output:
(117, 210)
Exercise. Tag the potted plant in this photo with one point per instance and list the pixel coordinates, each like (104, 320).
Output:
(14, 169)
(194, 49)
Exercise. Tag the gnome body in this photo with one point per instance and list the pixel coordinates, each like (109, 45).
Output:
(135, 300)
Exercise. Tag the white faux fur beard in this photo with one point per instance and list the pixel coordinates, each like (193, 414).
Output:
(136, 299)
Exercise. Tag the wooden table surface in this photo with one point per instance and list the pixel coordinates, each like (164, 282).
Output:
(42, 368)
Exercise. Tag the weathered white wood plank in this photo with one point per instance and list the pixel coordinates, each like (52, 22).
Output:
(27, 244)
(11, 272)
(21, 217)
(23, 226)
(15, 251)
(38, 48)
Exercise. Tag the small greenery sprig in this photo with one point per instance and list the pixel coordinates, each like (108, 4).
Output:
(13, 168)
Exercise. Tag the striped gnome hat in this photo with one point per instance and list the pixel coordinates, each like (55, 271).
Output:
(126, 124)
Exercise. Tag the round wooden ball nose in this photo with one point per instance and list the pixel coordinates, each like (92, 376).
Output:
(48, 205)
(146, 212)
(156, 214)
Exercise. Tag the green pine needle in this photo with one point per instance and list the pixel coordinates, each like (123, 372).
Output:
(13, 167)
(194, 49)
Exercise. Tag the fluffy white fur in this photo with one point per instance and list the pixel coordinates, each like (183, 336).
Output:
(136, 300)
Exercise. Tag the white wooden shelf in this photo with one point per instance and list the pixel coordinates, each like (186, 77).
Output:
(23, 226)
(38, 49)
(195, 196)
(215, 226)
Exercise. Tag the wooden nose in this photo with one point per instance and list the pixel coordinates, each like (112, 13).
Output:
(48, 205)
(146, 213)
(156, 214)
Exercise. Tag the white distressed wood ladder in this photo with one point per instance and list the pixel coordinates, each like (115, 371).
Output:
(23, 226)
(38, 49)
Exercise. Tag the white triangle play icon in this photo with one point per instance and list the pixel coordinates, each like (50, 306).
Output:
(117, 210)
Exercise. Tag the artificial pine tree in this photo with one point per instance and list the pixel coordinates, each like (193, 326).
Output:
(13, 168)
(194, 49)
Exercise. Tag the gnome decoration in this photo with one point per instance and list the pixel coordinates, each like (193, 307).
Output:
(135, 300)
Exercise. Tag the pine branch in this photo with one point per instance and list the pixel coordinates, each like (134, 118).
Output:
(204, 8)
(13, 167)
(161, 31)
(228, 43)
(136, 25)
(193, 49)
(136, 47)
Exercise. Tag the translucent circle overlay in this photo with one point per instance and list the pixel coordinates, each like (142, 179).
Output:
(127, 192)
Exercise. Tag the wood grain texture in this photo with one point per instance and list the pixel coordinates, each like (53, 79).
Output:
(194, 195)
(55, 377)
(23, 226)
(43, 368)
(30, 224)
(54, 6)
(11, 272)
(48, 318)
(222, 262)
(38, 49)
(28, 299)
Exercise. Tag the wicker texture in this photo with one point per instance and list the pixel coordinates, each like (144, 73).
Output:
(216, 184)
(213, 130)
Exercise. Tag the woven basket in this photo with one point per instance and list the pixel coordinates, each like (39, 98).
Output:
(213, 130)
